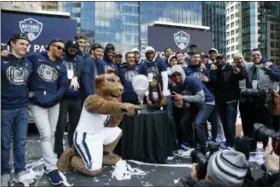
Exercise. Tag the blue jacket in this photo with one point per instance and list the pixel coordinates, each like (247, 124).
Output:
(155, 67)
(126, 74)
(73, 65)
(15, 75)
(48, 80)
(226, 83)
(90, 71)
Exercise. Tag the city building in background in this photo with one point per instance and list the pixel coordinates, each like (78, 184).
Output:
(125, 23)
(17, 5)
(170, 12)
(214, 16)
(233, 29)
(253, 25)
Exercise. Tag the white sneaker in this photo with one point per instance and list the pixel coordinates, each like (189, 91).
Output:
(27, 177)
(5, 179)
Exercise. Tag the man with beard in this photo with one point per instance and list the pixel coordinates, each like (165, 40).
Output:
(71, 101)
(192, 91)
(262, 75)
(126, 74)
(226, 82)
(212, 55)
(92, 67)
(108, 60)
(48, 85)
(156, 69)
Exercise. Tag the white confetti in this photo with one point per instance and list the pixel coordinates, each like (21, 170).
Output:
(170, 158)
(176, 181)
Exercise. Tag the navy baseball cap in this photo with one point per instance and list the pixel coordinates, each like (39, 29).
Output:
(17, 36)
(53, 41)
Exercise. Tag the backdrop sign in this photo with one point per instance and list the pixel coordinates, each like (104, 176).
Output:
(40, 29)
(179, 39)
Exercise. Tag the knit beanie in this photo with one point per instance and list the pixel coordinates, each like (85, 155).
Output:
(227, 167)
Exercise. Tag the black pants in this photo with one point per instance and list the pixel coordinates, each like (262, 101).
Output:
(254, 113)
(72, 107)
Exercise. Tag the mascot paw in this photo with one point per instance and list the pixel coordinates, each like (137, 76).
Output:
(110, 159)
(79, 166)
(63, 163)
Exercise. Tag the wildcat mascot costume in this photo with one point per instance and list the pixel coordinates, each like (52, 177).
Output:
(97, 129)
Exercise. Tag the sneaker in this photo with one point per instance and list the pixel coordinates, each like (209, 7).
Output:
(5, 179)
(55, 178)
(46, 171)
(26, 177)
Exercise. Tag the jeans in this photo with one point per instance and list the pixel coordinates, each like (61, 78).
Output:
(72, 107)
(213, 119)
(46, 121)
(228, 114)
(200, 122)
(14, 124)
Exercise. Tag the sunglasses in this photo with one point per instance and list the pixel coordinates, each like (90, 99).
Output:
(256, 54)
(59, 47)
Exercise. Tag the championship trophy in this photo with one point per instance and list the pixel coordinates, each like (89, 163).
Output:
(140, 84)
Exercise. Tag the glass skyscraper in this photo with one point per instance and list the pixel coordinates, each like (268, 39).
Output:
(125, 24)
(214, 16)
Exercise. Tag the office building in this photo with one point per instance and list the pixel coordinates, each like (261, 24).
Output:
(214, 16)
(125, 23)
(252, 25)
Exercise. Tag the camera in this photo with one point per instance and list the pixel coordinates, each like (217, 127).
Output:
(197, 156)
(262, 96)
(262, 133)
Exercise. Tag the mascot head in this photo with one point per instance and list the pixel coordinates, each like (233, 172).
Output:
(109, 87)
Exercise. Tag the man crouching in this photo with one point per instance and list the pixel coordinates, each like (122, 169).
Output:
(97, 128)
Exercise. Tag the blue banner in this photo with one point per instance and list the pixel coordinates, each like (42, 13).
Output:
(179, 39)
(40, 29)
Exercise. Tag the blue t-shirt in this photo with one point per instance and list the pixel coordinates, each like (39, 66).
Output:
(126, 74)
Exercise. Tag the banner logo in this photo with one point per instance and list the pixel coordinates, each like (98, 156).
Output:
(31, 27)
(182, 39)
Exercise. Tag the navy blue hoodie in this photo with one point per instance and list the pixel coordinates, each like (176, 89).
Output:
(126, 74)
(194, 85)
(15, 74)
(155, 67)
(109, 66)
(195, 71)
(48, 80)
(72, 63)
(90, 71)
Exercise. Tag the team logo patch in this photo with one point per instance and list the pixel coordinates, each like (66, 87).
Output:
(129, 75)
(47, 73)
(17, 76)
(182, 39)
(31, 27)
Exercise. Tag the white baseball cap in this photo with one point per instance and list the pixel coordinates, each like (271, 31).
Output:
(149, 48)
(135, 50)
